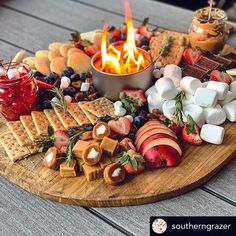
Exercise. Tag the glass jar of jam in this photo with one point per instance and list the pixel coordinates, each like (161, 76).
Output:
(208, 33)
(17, 90)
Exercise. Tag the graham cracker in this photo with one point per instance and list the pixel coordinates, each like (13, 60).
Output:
(77, 113)
(19, 133)
(53, 119)
(100, 107)
(90, 116)
(66, 119)
(28, 123)
(41, 122)
(174, 56)
(13, 149)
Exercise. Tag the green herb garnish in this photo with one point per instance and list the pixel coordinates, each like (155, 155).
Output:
(190, 127)
(179, 108)
(129, 103)
(165, 47)
(47, 141)
(75, 36)
(61, 100)
(145, 21)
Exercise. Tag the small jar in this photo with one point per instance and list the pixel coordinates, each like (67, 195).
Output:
(17, 91)
(208, 35)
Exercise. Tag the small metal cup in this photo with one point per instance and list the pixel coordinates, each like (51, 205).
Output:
(110, 85)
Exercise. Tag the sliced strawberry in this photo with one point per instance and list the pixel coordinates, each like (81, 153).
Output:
(42, 85)
(90, 50)
(221, 77)
(136, 94)
(191, 56)
(61, 139)
(190, 132)
(121, 126)
(114, 32)
(175, 127)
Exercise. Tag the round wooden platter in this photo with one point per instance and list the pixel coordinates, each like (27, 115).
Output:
(198, 165)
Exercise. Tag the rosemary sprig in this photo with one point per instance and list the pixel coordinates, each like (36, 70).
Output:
(129, 103)
(61, 100)
(47, 141)
(179, 108)
(165, 47)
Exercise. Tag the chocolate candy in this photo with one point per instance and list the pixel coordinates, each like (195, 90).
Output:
(194, 71)
(207, 64)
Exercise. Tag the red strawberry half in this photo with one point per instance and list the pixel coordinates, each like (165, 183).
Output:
(121, 126)
(42, 85)
(136, 94)
(220, 77)
(191, 56)
(61, 139)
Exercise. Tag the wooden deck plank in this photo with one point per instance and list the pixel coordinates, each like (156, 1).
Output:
(196, 203)
(22, 214)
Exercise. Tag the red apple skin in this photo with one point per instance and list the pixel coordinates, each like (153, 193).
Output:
(153, 137)
(148, 126)
(162, 156)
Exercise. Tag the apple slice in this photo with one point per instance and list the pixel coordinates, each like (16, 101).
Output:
(162, 156)
(169, 141)
(140, 139)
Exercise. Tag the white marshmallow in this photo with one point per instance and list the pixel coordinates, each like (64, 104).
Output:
(230, 110)
(156, 73)
(3, 72)
(174, 73)
(130, 118)
(150, 108)
(220, 87)
(166, 88)
(151, 90)
(215, 115)
(65, 82)
(204, 84)
(212, 134)
(155, 100)
(168, 108)
(120, 111)
(13, 74)
(233, 87)
(117, 104)
(55, 101)
(205, 97)
(190, 84)
(196, 112)
(162, 70)
(230, 96)
(84, 87)
(68, 99)
(157, 65)
(189, 99)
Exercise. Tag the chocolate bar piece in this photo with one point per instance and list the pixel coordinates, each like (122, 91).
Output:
(225, 63)
(232, 57)
(207, 64)
(194, 71)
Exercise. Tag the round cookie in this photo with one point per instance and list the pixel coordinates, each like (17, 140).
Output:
(54, 46)
(73, 50)
(42, 65)
(53, 54)
(64, 48)
(58, 64)
(80, 62)
(30, 61)
(41, 53)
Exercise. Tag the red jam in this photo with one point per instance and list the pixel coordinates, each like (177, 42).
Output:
(17, 91)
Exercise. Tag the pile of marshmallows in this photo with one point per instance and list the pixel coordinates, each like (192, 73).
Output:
(209, 102)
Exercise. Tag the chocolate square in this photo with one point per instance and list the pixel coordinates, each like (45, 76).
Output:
(207, 64)
(194, 71)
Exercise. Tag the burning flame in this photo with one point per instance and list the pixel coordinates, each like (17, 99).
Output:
(124, 59)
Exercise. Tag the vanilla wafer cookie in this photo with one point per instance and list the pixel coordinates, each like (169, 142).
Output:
(19, 133)
(13, 149)
(90, 116)
(41, 122)
(66, 119)
(100, 107)
(53, 119)
(77, 113)
(28, 123)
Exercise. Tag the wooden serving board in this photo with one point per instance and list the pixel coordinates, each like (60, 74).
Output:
(198, 165)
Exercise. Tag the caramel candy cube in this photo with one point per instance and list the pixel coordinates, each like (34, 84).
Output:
(105, 161)
(92, 172)
(79, 147)
(80, 164)
(66, 170)
(109, 145)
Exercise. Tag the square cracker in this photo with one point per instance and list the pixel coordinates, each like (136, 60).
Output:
(90, 116)
(19, 133)
(53, 119)
(66, 119)
(28, 123)
(77, 113)
(41, 122)
(100, 107)
(13, 149)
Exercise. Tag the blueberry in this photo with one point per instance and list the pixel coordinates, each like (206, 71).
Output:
(69, 91)
(83, 76)
(74, 77)
(139, 121)
(53, 76)
(143, 41)
(145, 47)
(71, 132)
(38, 74)
(46, 104)
(49, 80)
(131, 135)
(68, 71)
(101, 119)
(114, 39)
(123, 36)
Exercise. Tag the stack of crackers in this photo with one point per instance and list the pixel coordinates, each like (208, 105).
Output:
(174, 55)
(21, 138)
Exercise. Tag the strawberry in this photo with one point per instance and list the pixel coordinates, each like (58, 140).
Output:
(190, 132)
(121, 126)
(175, 127)
(90, 50)
(61, 139)
(191, 56)
(136, 94)
(132, 162)
(114, 32)
(220, 77)
(43, 86)
(79, 45)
